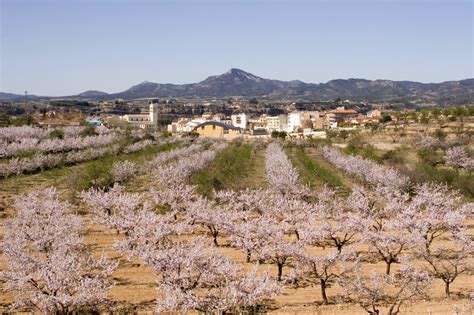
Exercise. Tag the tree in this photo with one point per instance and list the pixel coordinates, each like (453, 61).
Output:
(460, 112)
(388, 245)
(424, 117)
(216, 219)
(249, 235)
(124, 171)
(340, 229)
(326, 269)
(459, 159)
(331, 134)
(385, 118)
(381, 179)
(113, 208)
(432, 213)
(435, 113)
(277, 164)
(277, 248)
(391, 291)
(191, 274)
(343, 134)
(48, 267)
(448, 262)
(439, 134)
(278, 135)
(4, 120)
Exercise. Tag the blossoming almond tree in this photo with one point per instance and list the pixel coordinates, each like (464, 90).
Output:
(326, 269)
(459, 159)
(448, 261)
(216, 218)
(249, 234)
(337, 224)
(48, 267)
(113, 208)
(123, 171)
(435, 212)
(195, 277)
(391, 291)
(378, 177)
(387, 245)
(280, 172)
(278, 248)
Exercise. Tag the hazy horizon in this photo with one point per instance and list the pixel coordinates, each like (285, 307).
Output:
(59, 48)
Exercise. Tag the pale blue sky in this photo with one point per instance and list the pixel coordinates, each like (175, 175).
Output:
(69, 46)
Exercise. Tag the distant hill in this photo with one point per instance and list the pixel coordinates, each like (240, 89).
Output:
(9, 96)
(92, 94)
(13, 97)
(236, 82)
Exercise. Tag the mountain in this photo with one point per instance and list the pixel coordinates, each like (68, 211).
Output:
(16, 97)
(9, 96)
(236, 82)
(92, 94)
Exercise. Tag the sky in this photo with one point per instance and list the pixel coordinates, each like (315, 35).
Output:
(64, 47)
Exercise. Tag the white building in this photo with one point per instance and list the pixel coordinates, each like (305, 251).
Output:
(294, 121)
(143, 121)
(240, 120)
(276, 123)
(184, 125)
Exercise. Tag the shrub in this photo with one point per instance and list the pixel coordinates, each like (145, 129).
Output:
(96, 174)
(56, 134)
(88, 131)
(279, 134)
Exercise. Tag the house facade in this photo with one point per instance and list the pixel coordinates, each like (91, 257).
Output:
(276, 123)
(240, 120)
(216, 129)
(339, 115)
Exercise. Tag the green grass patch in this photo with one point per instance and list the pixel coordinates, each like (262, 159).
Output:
(364, 150)
(227, 171)
(71, 179)
(312, 173)
(97, 173)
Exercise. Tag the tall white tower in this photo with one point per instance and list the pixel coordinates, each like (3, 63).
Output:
(154, 113)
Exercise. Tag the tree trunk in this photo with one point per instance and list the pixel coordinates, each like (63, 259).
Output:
(215, 239)
(387, 270)
(248, 255)
(280, 271)
(446, 289)
(214, 232)
(323, 291)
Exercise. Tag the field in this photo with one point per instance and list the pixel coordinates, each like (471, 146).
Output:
(192, 225)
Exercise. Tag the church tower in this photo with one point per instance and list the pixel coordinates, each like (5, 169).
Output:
(154, 113)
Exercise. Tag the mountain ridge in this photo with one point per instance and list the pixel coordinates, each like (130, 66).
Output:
(237, 82)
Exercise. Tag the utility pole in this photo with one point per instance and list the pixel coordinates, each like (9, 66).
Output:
(26, 98)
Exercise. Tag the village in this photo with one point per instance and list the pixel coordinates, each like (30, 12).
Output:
(301, 122)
